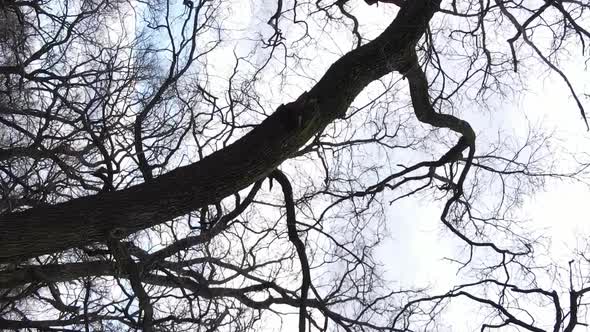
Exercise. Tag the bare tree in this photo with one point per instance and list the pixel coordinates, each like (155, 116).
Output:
(140, 146)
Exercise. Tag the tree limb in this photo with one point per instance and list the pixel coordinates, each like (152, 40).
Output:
(90, 219)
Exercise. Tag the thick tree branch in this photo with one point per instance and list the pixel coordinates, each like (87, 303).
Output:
(52, 273)
(90, 219)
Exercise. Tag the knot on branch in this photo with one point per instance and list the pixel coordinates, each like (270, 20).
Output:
(299, 114)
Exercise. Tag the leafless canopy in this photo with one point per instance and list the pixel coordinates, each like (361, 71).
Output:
(216, 165)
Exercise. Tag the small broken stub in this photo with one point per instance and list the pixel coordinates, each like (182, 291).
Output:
(117, 233)
(291, 115)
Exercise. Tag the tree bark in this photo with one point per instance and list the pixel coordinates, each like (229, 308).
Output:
(90, 219)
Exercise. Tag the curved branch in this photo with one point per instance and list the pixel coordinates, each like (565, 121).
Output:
(128, 266)
(294, 238)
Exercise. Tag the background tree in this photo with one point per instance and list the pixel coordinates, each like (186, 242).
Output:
(136, 139)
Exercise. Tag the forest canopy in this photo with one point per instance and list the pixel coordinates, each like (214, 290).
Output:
(233, 165)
